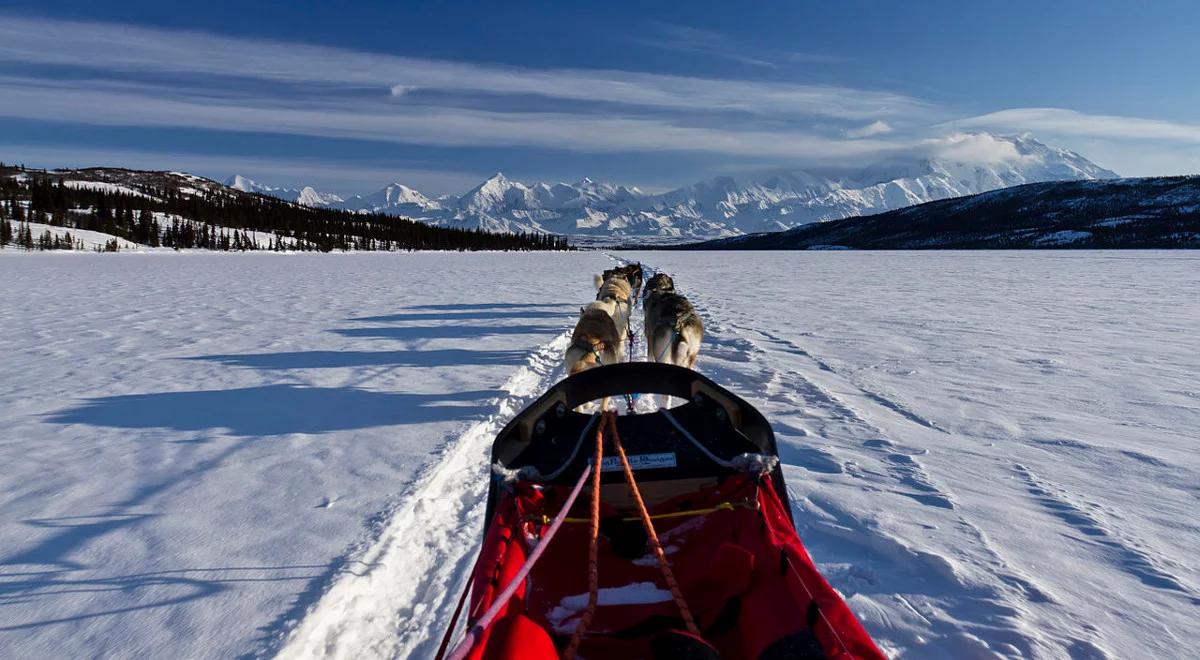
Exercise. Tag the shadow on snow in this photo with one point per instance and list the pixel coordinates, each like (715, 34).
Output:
(445, 331)
(481, 315)
(448, 357)
(50, 565)
(274, 409)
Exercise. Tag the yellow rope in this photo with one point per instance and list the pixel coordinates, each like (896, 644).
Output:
(723, 506)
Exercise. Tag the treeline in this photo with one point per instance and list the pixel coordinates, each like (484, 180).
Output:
(226, 220)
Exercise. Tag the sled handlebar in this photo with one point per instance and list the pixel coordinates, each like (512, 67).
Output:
(631, 378)
(627, 378)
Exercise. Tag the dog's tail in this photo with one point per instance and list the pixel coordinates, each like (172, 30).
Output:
(598, 280)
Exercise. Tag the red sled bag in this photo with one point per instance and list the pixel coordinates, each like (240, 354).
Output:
(680, 546)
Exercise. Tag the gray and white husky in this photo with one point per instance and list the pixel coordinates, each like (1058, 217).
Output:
(673, 327)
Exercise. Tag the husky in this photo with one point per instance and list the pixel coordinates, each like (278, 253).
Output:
(673, 329)
(614, 294)
(631, 272)
(596, 340)
(616, 287)
(656, 286)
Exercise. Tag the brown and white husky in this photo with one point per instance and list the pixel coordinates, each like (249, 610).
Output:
(595, 341)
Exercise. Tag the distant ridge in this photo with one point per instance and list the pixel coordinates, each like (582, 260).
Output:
(1158, 212)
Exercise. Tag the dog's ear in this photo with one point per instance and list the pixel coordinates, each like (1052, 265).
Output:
(582, 310)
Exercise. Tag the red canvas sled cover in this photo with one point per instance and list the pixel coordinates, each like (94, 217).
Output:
(728, 536)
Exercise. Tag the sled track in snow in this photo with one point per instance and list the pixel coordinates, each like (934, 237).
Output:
(395, 595)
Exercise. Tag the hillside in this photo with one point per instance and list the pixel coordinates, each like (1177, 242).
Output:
(1160, 212)
(178, 210)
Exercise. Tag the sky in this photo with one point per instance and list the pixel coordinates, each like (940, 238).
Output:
(350, 96)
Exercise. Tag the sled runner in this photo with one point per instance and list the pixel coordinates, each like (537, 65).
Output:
(688, 552)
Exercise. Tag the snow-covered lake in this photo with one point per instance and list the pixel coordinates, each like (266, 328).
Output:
(223, 455)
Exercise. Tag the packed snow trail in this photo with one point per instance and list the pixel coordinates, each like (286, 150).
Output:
(396, 597)
(398, 593)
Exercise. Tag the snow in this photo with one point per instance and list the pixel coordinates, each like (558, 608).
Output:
(91, 239)
(175, 425)
(988, 454)
(306, 196)
(636, 593)
(593, 212)
(107, 187)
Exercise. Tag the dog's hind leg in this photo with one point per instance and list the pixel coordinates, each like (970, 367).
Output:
(688, 348)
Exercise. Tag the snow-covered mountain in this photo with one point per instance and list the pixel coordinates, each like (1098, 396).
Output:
(1142, 213)
(728, 205)
(307, 195)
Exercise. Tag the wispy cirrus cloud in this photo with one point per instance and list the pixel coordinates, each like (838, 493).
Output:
(126, 48)
(687, 39)
(348, 177)
(106, 74)
(123, 75)
(1070, 122)
(143, 105)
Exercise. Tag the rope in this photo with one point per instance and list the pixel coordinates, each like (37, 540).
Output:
(723, 506)
(467, 643)
(441, 652)
(676, 593)
(813, 599)
(593, 540)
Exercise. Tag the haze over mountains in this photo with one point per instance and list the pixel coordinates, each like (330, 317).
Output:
(722, 206)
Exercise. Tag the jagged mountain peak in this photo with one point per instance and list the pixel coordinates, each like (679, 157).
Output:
(308, 196)
(732, 204)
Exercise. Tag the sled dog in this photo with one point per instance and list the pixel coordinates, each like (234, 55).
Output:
(660, 283)
(616, 287)
(655, 287)
(595, 341)
(614, 296)
(673, 330)
(631, 272)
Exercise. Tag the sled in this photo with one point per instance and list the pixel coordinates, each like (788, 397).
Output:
(738, 583)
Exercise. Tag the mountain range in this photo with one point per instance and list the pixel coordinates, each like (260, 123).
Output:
(1144, 213)
(777, 200)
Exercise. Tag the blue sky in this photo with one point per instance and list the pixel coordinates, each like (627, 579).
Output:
(348, 96)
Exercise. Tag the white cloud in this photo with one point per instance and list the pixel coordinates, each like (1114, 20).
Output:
(205, 81)
(876, 127)
(145, 105)
(326, 174)
(977, 148)
(126, 48)
(1070, 122)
